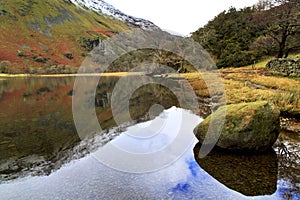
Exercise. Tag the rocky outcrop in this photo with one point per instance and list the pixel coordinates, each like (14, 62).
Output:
(285, 66)
(249, 127)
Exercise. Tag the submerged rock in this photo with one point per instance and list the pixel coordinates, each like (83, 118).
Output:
(249, 127)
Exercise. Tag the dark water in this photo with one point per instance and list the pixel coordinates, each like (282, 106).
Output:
(42, 156)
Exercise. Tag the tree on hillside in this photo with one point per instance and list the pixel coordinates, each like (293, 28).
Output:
(281, 21)
(240, 37)
(228, 37)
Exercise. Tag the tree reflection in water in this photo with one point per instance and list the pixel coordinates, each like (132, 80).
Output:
(288, 154)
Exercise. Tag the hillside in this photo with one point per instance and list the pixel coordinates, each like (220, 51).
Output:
(49, 37)
(237, 38)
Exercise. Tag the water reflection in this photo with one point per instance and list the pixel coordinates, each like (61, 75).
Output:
(251, 175)
(38, 138)
(35, 125)
(88, 178)
(152, 145)
(37, 131)
(287, 149)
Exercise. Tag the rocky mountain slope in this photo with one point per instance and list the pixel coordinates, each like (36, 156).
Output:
(49, 36)
(105, 8)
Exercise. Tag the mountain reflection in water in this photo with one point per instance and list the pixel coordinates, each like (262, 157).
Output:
(37, 131)
(42, 157)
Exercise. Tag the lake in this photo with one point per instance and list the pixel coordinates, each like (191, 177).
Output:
(151, 155)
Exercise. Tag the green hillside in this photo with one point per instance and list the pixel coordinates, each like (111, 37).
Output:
(49, 36)
(242, 37)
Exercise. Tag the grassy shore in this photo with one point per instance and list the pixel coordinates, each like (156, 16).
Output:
(245, 84)
(248, 85)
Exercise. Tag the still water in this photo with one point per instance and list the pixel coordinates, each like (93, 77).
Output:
(42, 156)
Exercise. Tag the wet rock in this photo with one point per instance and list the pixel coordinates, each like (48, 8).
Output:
(249, 127)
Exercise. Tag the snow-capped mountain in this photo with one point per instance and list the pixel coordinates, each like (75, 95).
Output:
(105, 8)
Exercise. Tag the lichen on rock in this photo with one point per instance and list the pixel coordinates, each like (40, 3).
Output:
(249, 127)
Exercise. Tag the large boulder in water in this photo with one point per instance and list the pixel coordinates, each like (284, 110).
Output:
(249, 127)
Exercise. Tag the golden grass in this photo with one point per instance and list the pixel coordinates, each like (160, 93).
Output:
(272, 82)
(200, 83)
(237, 92)
(248, 85)
(278, 83)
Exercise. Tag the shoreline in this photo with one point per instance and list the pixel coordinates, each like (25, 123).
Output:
(118, 74)
(105, 74)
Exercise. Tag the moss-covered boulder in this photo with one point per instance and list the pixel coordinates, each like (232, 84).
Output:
(248, 127)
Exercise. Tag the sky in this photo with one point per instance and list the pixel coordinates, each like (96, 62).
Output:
(179, 17)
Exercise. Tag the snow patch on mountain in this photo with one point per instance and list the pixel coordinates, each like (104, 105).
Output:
(105, 8)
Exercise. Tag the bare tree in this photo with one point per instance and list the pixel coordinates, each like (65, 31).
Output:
(281, 19)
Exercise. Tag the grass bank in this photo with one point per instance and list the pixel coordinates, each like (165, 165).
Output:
(246, 84)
